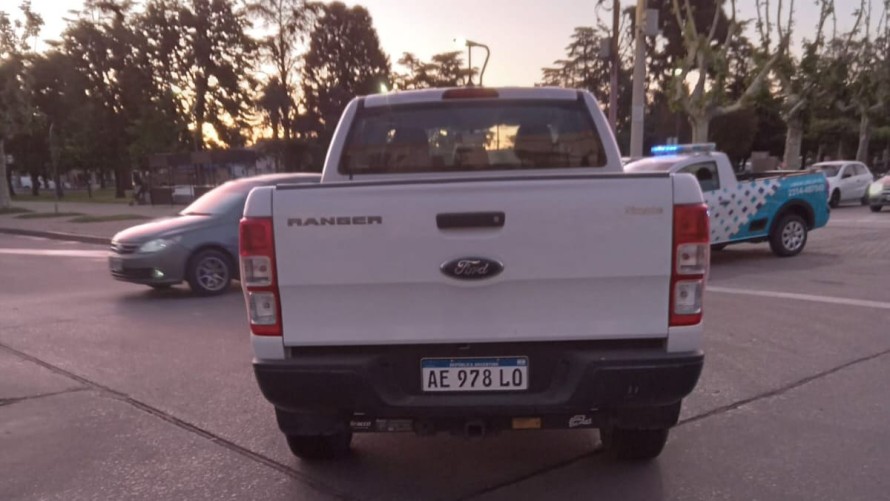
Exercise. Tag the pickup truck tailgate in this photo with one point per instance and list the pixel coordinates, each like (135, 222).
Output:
(586, 257)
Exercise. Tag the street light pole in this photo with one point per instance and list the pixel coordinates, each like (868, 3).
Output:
(638, 109)
(613, 76)
(469, 44)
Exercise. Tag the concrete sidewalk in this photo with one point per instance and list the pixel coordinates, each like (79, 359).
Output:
(92, 232)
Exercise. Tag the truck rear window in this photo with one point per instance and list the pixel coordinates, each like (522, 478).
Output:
(472, 136)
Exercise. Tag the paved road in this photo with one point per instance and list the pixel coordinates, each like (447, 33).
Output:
(113, 391)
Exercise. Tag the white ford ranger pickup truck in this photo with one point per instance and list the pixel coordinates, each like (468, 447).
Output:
(475, 261)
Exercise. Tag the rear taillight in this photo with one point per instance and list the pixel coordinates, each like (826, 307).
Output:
(691, 259)
(257, 250)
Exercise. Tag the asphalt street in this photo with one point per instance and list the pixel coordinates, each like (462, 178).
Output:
(115, 391)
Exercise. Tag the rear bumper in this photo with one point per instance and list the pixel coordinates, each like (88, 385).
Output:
(605, 382)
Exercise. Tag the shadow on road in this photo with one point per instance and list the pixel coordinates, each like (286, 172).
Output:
(179, 292)
(750, 260)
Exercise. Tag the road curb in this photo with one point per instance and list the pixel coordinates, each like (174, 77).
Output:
(58, 235)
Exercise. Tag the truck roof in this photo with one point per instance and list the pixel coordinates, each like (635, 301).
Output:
(436, 95)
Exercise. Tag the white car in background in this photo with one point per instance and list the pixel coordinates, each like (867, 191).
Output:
(847, 181)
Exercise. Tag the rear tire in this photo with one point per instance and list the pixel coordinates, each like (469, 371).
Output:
(876, 208)
(210, 272)
(789, 236)
(320, 447)
(835, 199)
(633, 445)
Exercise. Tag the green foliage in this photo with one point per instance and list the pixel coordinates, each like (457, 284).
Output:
(584, 68)
(443, 70)
(344, 61)
(288, 22)
(15, 104)
(211, 66)
(734, 133)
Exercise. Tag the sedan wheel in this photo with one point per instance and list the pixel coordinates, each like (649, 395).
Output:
(835, 199)
(210, 273)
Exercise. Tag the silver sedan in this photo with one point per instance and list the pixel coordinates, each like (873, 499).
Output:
(199, 245)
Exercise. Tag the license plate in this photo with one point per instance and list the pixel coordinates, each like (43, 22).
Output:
(116, 264)
(474, 374)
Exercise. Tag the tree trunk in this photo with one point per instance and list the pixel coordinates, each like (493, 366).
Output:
(840, 150)
(9, 183)
(793, 142)
(4, 188)
(57, 178)
(35, 184)
(864, 138)
(286, 121)
(200, 111)
(121, 178)
(820, 151)
(700, 127)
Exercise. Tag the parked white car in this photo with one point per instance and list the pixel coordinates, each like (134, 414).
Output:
(847, 181)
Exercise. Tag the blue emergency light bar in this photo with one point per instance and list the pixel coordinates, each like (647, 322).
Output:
(683, 149)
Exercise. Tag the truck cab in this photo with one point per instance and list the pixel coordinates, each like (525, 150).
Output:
(779, 207)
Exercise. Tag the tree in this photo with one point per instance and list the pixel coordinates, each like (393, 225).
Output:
(706, 64)
(200, 52)
(15, 106)
(852, 86)
(216, 56)
(289, 22)
(868, 71)
(798, 78)
(103, 49)
(444, 70)
(344, 60)
(585, 68)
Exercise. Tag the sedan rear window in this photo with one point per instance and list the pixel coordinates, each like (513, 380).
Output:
(472, 136)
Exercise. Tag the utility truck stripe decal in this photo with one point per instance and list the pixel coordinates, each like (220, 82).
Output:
(747, 202)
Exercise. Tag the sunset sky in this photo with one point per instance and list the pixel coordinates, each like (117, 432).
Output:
(524, 35)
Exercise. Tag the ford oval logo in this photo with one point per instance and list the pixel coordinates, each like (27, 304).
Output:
(472, 268)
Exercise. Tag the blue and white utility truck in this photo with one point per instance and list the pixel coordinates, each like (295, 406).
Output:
(779, 207)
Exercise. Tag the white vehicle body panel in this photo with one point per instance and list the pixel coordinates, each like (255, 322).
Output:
(582, 260)
(851, 188)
